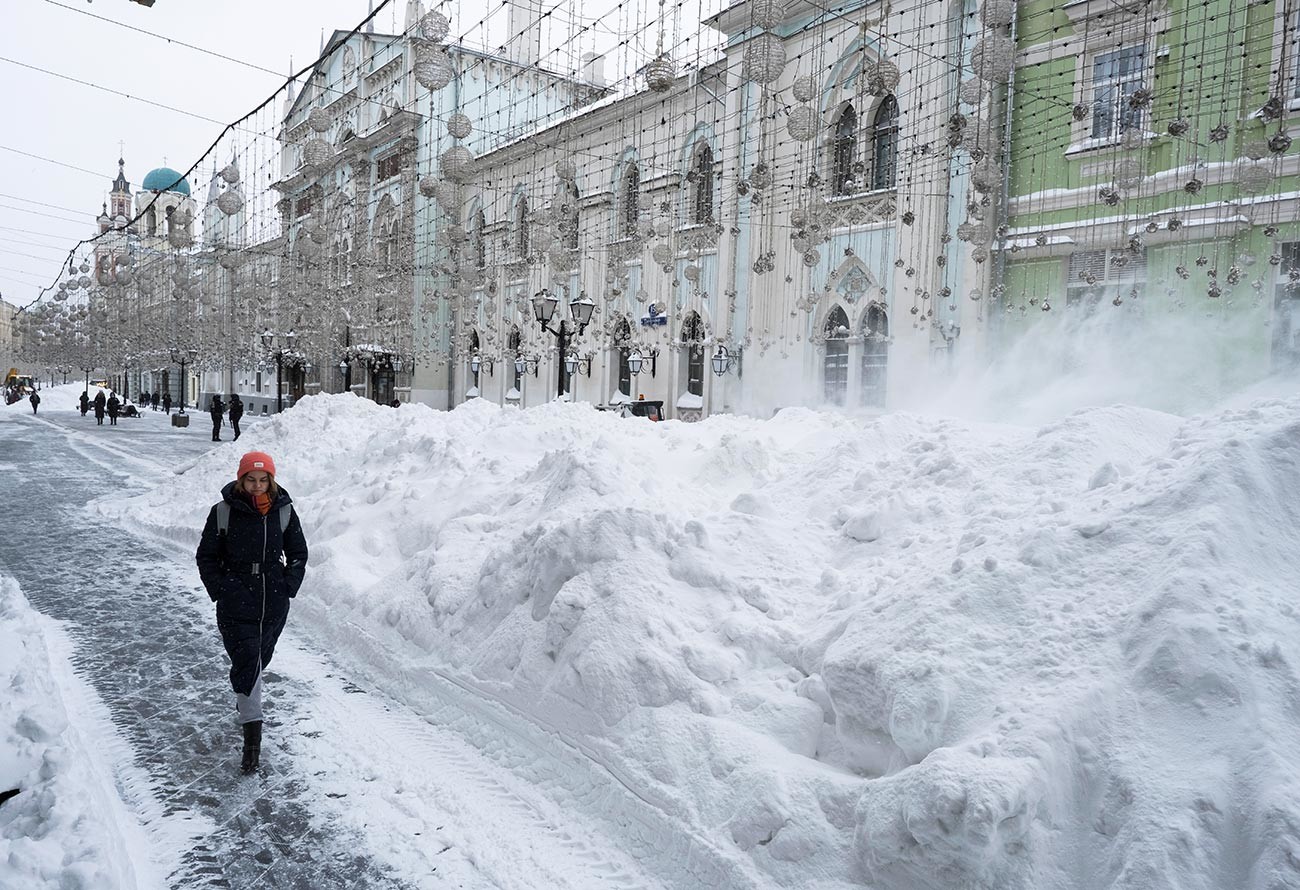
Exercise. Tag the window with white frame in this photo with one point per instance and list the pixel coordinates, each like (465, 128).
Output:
(835, 365)
(844, 149)
(1116, 76)
(875, 356)
(1096, 275)
(1286, 310)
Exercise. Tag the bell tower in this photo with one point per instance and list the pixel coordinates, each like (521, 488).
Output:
(120, 197)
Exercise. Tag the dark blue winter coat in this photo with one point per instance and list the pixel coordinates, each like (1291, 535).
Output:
(256, 569)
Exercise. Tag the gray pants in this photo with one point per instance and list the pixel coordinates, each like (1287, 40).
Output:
(250, 706)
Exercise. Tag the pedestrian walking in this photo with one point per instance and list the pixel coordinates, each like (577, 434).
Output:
(167, 402)
(252, 558)
(216, 409)
(35, 400)
(100, 405)
(114, 407)
(235, 413)
(153, 399)
(85, 403)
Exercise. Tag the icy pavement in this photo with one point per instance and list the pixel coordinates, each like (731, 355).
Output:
(357, 789)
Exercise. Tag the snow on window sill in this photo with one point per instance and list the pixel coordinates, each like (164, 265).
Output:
(690, 400)
(1097, 143)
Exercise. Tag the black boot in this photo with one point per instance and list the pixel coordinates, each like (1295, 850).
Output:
(252, 746)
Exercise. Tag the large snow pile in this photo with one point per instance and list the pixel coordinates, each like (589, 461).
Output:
(67, 827)
(905, 652)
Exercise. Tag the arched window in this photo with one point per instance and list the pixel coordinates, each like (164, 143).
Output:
(884, 145)
(702, 199)
(875, 356)
(835, 366)
(513, 347)
(693, 347)
(478, 241)
(473, 350)
(521, 228)
(631, 203)
(569, 214)
(622, 350)
(151, 222)
(844, 150)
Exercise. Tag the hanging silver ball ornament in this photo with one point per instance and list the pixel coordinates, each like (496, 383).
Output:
(1252, 178)
(231, 201)
(985, 176)
(1128, 173)
(434, 26)
(691, 273)
(316, 153)
(230, 173)
(457, 164)
(993, 58)
(319, 119)
(316, 232)
(998, 13)
(428, 186)
(883, 78)
(1255, 149)
(766, 14)
(1179, 126)
(1080, 111)
(84, 268)
(179, 236)
(764, 58)
(84, 282)
(228, 259)
(566, 170)
(980, 254)
(971, 91)
(125, 276)
(804, 88)
(433, 70)
(660, 74)
(811, 257)
(663, 227)
(459, 125)
(802, 123)
(1279, 143)
(662, 254)
(61, 296)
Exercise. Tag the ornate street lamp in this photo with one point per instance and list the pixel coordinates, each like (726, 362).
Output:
(580, 310)
(724, 361)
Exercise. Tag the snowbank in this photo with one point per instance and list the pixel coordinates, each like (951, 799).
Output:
(67, 828)
(909, 652)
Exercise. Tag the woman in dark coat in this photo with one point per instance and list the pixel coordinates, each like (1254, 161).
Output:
(100, 402)
(251, 570)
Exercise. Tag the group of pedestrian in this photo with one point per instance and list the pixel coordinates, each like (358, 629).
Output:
(153, 399)
(235, 411)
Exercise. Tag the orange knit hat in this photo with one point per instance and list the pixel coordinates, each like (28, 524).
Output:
(255, 460)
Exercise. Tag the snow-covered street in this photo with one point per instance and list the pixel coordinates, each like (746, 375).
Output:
(559, 649)
(358, 790)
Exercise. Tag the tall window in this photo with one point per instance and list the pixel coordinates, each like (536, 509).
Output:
(521, 228)
(631, 200)
(623, 348)
(836, 364)
(513, 347)
(1286, 312)
(884, 144)
(478, 241)
(388, 167)
(875, 356)
(692, 340)
(844, 149)
(473, 350)
(1116, 76)
(702, 199)
(569, 203)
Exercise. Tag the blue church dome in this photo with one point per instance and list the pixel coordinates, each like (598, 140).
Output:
(165, 179)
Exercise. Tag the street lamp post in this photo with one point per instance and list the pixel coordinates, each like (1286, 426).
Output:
(268, 341)
(544, 305)
(182, 357)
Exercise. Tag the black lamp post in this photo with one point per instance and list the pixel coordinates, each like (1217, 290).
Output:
(346, 367)
(268, 341)
(544, 305)
(181, 357)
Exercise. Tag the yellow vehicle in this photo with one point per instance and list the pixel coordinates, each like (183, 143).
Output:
(17, 386)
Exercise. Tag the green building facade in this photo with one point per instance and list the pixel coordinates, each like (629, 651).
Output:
(1151, 172)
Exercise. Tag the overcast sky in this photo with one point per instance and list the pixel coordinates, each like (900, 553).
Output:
(56, 122)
